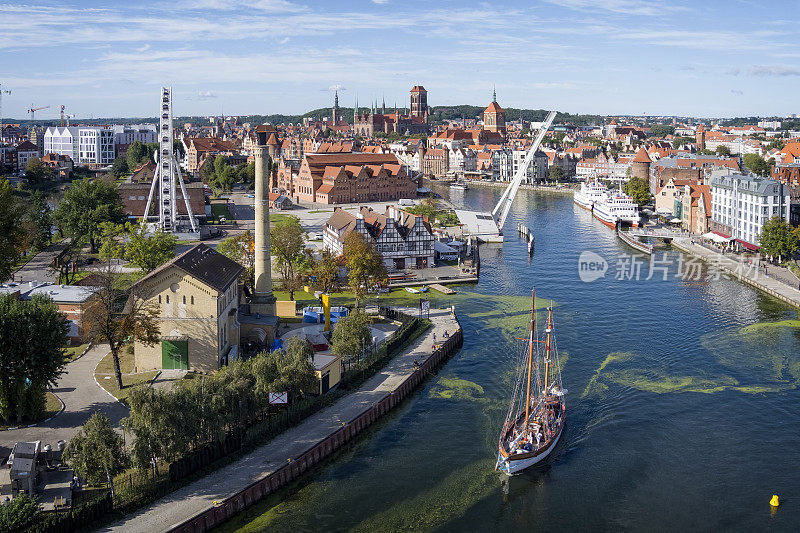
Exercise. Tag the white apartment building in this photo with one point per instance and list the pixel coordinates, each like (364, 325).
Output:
(126, 134)
(502, 165)
(95, 146)
(740, 205)
(537, 170)
(86, 145)
(62, 141)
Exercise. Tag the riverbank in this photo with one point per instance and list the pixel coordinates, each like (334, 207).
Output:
(564, 191)
(204, 504)
(738, 271)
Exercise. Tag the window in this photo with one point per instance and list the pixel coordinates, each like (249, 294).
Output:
(159, 298)
(191, 300)
(184, 299)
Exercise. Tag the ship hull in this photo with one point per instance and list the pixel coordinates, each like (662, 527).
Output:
(511, 465)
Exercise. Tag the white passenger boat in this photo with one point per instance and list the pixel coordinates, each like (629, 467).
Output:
(537, 415)
(460, 185)
(590, 193)
(617, 208)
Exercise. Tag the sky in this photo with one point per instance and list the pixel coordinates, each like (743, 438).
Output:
(703, 58)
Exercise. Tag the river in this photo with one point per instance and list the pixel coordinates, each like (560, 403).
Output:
(683, 405)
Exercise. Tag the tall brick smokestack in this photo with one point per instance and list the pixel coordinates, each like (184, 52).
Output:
(262, 301)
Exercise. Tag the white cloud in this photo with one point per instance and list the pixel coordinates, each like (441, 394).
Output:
(626, 7)
(205, 95)
(774, 70)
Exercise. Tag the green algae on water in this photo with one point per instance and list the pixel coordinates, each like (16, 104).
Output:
(452, 388)
(616, 357)
(434, 508)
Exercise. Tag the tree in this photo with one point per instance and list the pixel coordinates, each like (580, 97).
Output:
(288, 247)
(661, 130)
(120, 167)
(39, 222)
(241, 248)
(723, 150)
(223, 177)
(119, 316)
(779, 239)
(37, 172)
(556, 173)
(12, 236)
(32, 338)
(638, 189)
(351, 334)
(85, 206)
(364, 263)
(146, 250)
(96, 451)
(757, 165)
(110, 245)
(19, 512)
(136, 152)
(326, 272)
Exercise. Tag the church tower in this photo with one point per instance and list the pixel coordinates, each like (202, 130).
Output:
(494, 117)
(336, 116)
(419, 102)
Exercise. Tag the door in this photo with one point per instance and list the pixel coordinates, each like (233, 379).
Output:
(175, 355)
(326, 382)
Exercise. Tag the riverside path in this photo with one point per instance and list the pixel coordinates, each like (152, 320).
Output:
(199, 496)
(743, 272)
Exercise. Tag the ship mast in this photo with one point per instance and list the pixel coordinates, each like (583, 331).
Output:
(547, 348)
(530, 360)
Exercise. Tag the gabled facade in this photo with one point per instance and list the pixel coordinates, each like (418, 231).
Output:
(196, 295)
(404, 240)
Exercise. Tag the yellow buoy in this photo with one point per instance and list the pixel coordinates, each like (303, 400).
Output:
(774, 501)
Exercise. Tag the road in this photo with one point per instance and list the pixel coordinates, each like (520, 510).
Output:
(38, 268)
(81, 397)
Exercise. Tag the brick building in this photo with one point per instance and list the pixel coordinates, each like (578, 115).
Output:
(384, 176)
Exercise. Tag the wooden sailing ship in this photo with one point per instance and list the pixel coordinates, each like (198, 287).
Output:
(536, 416)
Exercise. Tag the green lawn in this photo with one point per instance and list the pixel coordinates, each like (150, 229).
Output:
(106, 365)
(73, 352)
(220, 210)
(109, 383)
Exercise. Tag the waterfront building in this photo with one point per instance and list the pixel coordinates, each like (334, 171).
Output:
(403, 239)
(740, 205)
(435, 162)
(127, 134)
(196, 295)
(25, 151)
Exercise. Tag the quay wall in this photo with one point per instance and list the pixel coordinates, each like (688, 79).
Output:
(566, 191)
(251, 494)
(753, 282)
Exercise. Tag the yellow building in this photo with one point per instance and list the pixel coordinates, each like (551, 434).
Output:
(197, 297)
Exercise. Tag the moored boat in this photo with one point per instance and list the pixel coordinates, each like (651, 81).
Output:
(617, 208)
(589, 194)
(460, 185)
(536, 417)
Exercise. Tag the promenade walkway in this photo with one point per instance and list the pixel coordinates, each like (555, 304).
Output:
(200, 495)
(753, 275)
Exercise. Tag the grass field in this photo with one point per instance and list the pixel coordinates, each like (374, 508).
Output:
(73, 352)
(221, 210)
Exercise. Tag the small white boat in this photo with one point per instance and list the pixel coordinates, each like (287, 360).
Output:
(412, 290)
(460, 185)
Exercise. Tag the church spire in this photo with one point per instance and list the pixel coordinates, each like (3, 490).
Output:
(494, 94)
(383, 105)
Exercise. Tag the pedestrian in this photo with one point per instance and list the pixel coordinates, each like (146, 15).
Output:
(434, 337)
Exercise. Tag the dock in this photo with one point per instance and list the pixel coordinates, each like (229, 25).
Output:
(441, 288)
(635, 243)
(527, 234)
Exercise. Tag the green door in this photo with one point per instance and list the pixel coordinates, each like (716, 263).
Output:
(175, 355)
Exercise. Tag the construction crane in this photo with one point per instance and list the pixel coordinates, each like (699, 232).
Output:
(62, 116)
(511, 191)
(33, 110)
(2, 92)
(65, 116)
